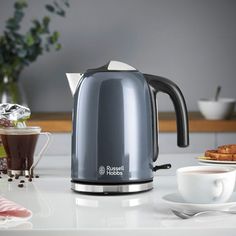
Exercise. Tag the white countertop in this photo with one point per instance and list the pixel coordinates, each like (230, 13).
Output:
(57, 210)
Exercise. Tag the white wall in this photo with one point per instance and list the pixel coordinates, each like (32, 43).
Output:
(192, 42)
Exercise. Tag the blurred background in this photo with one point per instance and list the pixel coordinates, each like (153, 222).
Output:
(190, 42)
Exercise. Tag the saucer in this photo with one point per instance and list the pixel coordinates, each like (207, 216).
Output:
(176, 202)
(203, 160)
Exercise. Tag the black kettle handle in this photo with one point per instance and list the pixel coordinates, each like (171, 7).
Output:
(160, 84)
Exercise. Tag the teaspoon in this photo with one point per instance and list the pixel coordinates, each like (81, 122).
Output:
(184, 215)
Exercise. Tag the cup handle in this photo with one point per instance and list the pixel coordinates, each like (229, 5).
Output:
(221, 183)
(43, 149)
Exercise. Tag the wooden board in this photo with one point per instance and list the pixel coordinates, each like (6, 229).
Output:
(61, 122)
(196, 123)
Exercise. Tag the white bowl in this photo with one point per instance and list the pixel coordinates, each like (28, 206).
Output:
(217, 110)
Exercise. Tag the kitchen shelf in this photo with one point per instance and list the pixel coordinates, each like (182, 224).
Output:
(59, 122)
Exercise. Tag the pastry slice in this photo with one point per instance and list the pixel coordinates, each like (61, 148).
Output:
(209, 154)
(234, 157)
(215, 155)
(227, 149)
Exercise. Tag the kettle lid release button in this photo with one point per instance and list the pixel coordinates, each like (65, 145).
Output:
(117, 65)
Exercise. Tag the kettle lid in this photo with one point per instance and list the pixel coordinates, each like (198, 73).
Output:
(114, 66)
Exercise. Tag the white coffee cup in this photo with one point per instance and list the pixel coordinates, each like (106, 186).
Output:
(206, 184)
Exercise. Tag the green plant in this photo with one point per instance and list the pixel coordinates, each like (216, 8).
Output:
(17, 49)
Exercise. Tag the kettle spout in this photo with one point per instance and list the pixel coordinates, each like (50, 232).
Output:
(73, 80)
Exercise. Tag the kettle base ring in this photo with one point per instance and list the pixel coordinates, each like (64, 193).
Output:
(111, 188)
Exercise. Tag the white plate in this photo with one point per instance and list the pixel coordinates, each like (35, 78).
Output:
(176, 202)
(202, 160)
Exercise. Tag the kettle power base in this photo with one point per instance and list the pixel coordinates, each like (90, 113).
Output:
(111, 188)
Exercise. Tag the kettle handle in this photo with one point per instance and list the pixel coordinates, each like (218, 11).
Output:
(160, 84)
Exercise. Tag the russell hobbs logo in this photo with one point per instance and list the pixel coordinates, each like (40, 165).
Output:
(111, 170)
(101, 170)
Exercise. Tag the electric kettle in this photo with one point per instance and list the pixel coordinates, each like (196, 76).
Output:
(115, 128)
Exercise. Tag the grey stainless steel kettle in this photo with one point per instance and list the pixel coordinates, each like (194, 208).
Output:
(115, 136)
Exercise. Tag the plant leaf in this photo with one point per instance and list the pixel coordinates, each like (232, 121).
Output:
(18, 15)
(29, 39)
(61, 12)
(58, 46)
(36, 23)
(54, 37)
(66, 3)
(12, 24)
(20, 4)
(56, 4)
(46, 20)
(18, 50)
(56, 34)
(22, 53)
(50, 8)
(59, 9)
